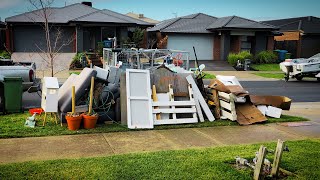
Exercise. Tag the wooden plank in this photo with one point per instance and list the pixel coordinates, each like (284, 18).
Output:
(174, 103)
(228, 115)
(191, 96)
(176, 110)
(259, 166)
(199, 111)
(224, 95)
(155, 99)
(138, 95)
(175, 121)
(225, 105)
(123, 98)
(277, 158)
(216, 103)
(201, 100)
(171, 95)
(138, 98)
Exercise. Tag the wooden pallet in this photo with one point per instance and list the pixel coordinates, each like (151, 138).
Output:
(227, 105)
(175, 107)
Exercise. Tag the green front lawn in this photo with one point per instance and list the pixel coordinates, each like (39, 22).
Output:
(12, 126)
(206, 163)
(266, 67)
(270, 75)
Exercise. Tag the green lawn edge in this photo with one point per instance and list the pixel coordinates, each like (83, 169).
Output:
(270, 75)
(265, 67)
(12, 126)
(201, 163)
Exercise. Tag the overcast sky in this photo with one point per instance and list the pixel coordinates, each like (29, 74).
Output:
(165, 9)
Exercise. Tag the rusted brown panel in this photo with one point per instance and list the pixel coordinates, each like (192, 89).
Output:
(162, 77)
(288, 36)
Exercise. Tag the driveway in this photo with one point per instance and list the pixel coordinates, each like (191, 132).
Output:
(214, 65)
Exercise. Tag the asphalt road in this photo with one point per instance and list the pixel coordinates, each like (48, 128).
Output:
(298, 91)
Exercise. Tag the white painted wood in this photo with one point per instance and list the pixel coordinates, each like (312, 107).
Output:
(176, 110)
(199, 111)
(175, 121)
(174, 103)
(139, 105)
(228, 115)
(164, 97)
(191, 96)
(171, 97)
(50, 94)
(198, 95)
(225, 105)
(224, 95)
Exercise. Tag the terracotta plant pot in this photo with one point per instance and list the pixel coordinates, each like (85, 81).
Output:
(74, 122)
(89, 122)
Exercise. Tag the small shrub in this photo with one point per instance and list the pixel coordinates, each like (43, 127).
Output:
(76, 61)
(245, 55)
(233, 58)
(266, 57)
(5, 54)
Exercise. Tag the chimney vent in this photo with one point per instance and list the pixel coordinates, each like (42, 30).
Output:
(88, 3)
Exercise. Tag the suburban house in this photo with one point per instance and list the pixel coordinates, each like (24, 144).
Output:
(142, 17)
(214, 38)
(301, 35)
(81, 27)
(2, 35)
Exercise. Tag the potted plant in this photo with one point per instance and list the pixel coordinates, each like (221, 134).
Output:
(73, 118)
(90, 118)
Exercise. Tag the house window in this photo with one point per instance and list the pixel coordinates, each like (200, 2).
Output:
(108, 32)
(245, 43)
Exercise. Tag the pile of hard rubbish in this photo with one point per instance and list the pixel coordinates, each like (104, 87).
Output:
(159, 96)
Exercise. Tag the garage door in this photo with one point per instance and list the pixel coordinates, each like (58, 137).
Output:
(202, 43)
(31, 38)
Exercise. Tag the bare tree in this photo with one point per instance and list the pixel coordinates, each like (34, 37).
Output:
(53, 34)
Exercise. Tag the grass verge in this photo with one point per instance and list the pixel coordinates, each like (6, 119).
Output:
(12, 126)
(209, 76)
(270, 75)
(265, 67)
(206, 163)
(74, 72)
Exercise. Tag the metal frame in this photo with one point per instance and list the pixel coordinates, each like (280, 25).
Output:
(111, 58)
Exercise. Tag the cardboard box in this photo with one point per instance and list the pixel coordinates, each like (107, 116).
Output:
(248, 113)
(282, 102)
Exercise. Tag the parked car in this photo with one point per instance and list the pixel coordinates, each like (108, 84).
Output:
(25, 70)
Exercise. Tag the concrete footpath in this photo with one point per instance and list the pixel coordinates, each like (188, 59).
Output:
(106, 144)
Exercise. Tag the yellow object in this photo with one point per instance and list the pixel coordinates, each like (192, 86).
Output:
(211, 103)
(73, 100)
(91, 95)
(155, 99)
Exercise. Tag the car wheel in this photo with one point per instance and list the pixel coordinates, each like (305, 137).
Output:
(299, 78)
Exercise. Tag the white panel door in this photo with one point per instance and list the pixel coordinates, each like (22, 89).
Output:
(203, 44)
(139, 107)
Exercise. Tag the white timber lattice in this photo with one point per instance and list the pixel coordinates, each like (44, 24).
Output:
(175, 107)
(227, 105)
